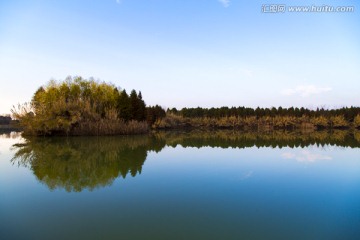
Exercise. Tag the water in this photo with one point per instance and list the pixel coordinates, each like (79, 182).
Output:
(217, 185)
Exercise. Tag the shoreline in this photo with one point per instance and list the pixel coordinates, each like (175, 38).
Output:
(191, 130)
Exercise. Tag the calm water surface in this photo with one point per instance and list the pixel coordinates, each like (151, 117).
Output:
(181, 186)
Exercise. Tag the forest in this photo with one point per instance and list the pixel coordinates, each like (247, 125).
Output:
(78, 106)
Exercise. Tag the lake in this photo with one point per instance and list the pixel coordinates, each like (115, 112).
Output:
(188, 185)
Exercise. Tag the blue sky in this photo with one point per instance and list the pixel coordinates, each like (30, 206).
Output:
(184, 52)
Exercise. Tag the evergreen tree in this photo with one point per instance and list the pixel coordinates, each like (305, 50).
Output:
(137, 106)
(123, 106)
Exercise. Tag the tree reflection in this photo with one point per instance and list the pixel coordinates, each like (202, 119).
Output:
(280, 139)
(83, 163)
(79, 163)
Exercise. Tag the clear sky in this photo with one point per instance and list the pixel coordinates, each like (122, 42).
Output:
(184, 52)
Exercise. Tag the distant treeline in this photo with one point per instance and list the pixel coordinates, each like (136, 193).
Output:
(261, 118)
(349, 113)
(5, 120)
(7, 124)
(78, 106)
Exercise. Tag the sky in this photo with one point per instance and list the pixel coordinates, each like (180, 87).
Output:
(185, 53)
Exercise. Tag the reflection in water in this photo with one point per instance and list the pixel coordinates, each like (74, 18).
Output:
(306, 156)
(10, 134)
(78, 163)
(234, 139)
(246, 175)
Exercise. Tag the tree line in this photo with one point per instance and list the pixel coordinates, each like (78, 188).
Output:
(349, 113)
(78, 106)
(5, 120)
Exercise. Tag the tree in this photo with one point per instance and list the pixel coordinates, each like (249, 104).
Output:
(123, 106)
(137, 106)
(154, 113)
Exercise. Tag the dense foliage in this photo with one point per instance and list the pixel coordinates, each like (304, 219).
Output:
(78, 106)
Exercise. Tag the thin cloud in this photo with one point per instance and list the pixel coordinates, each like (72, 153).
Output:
(305, 90)
(118, 1)
(225, 3)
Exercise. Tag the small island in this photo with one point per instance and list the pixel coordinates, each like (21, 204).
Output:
(77, 106)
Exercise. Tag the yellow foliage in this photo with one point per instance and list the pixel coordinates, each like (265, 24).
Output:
(320, 121)
(338, 121)
(357, 121)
